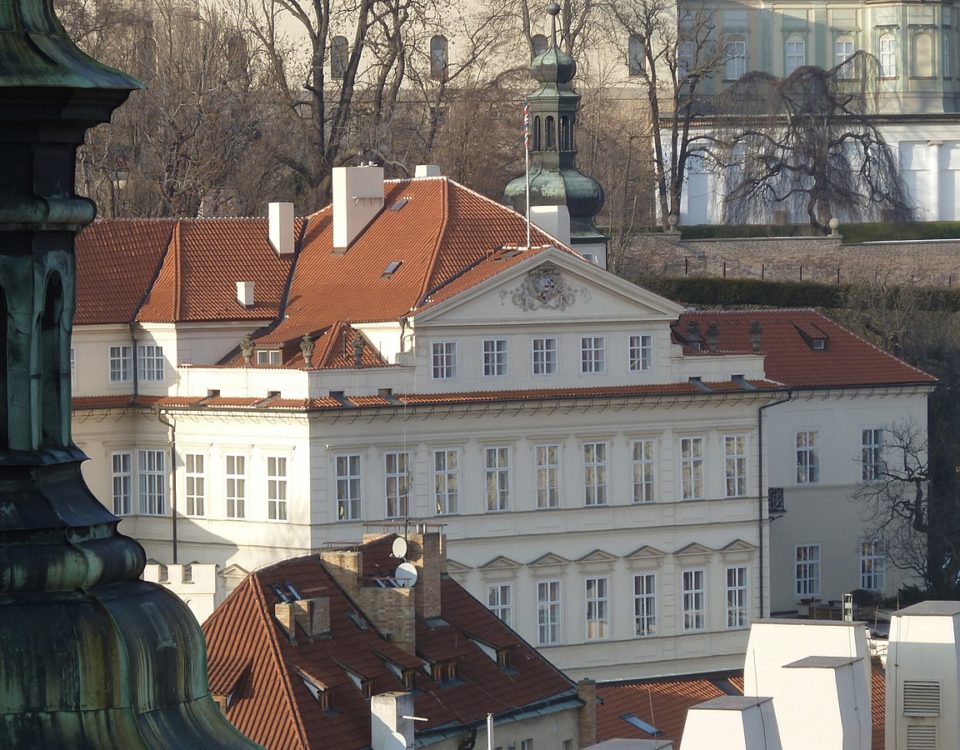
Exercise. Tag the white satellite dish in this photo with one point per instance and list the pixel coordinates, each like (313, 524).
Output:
(406, 575)
(400, 547)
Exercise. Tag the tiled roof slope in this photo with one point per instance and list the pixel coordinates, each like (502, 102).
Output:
(272, 705)
(785, 339)
(663, 702)
(117, 260)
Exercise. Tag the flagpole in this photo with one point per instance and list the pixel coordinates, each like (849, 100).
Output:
(526, 159)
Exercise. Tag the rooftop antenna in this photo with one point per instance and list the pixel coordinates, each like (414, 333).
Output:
(406, 575)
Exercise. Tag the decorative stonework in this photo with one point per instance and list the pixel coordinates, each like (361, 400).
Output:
(544, 288)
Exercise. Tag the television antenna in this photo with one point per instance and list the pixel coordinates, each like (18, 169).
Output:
(406, 575)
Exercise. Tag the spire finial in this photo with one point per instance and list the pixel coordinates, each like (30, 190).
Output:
(554, 10)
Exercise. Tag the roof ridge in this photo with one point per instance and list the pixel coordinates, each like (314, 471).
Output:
(427, 283)
(148, 290)
(177, 296)
(327, 351)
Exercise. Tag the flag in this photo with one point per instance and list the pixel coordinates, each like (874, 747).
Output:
(526, 125)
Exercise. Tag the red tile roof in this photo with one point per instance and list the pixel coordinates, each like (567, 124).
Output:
(250, 656)
(785, 338)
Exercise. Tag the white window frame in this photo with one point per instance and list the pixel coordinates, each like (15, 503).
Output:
(693, 600)
(872, 464)
(735, 65)
(643, 465)
(120, 359)
(873, 566)
(348, 485)
(500, 601)
(887, 54)
(546, 459)
(735, 465)
(795, 54)
(396, 492)
(195, 484)
(497, 478)
(446, 480)
(596, 473)
(806, 571)
(152, 481)
(121, 472)
(592, 355)
(235, 485)
(692, 468)
(808, 456)
(494, 358)
(549, 613)
(268, 357)
(737, 597)
(843, 50)
(544, 356)
(443, 360)
(150, 363)
(596, 591)
(277, 488)
(640, 352)
(645, 605)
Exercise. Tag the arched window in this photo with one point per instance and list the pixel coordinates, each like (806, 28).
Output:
(51, 395)
(888, 56)
(539, 42)
(339, 56)
(842, 52)
(736, 64)
(796, 54)
(566, 140)
(635, 56)
(438, 57)
(551, 135)
(922, 56)
(4, 408)
(536, 133)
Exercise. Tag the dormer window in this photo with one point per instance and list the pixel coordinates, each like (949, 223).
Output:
(445, 671)
(268, 357)
(818, 344)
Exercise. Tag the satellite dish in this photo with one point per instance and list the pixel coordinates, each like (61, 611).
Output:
(400, 547)
(414, 551)
(406, 575)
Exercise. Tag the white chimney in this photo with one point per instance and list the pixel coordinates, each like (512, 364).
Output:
(391, 721)
(923, 665)
(245, 293)
(554, 220)
(280, 229)
(357, 199)
(732, 722)
(427, 170)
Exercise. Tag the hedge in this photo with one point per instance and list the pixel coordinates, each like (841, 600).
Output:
(851, 233)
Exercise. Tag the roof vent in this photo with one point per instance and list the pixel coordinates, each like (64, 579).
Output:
(427, 170)
(245, 293)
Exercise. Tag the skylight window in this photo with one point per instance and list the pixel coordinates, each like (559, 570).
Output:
(640, 724)
(358, 621)
(392, 267)
(400, 204)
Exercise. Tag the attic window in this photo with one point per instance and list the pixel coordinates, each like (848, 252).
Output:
(640, 724)
(268, 357)
(320, 693)
(392, 267)
(818, 344)
(409, 679)
(445, 671)
(358, 621)
(286, 592)
(503, 658)
(400, 204)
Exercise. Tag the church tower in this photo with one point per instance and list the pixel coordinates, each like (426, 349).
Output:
(555, 182)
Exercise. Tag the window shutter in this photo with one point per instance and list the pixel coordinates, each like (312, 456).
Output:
(921, 698)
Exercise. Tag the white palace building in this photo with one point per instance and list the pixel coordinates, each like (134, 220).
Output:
(599, 458)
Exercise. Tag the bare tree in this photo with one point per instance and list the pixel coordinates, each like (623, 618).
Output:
(807, 143)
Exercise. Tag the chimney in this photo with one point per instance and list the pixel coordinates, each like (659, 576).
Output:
(554, 220)
(284, 613)
(427, 170)
(313, 616)
(280, 230)
(733, 722)
(430, 564)
(693, 335)
(755, 332)
(245, 293)
(587, 692)
(357, 199)
(391, 721)
(713, 336)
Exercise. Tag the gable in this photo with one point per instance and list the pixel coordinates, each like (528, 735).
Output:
(646, 552)
(547, 560)
(597, 556)
(499, 563)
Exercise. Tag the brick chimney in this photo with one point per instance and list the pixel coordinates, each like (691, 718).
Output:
(357, 199)
(284, 612)
(313, 616)
(587, 692)
(430, 564)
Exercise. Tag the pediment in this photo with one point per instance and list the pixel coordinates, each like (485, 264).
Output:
(739, 545)
(454, 567)
(499, 563)
(234, 571)
(646, 552)
(598, 556)
(694, 548)
(547, 560)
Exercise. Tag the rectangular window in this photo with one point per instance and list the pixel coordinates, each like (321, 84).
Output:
(120, 364)
(236, 475)
(444, 360)
(645, 604)
(494, 357)
(548, 613)
(196, 483)
(737, 598)
(446, 480)
(545, 356)
(598, 609)
(842, 52)
(526, 744)
(735, 465)
(595, 473)
(547, 458)
(498, 478)
(888, 55)
(796, 50)
(807, 567)
(871, 454)
(643, 476)
(693, 600)
(150, 362)
(691, 468)
(640, 353)
(122, 483)
(808, 457)
(397, 473)
(348, 487)
(277, 488)
(500, 601)
(736, 62)
(268, 356)
(151, 479)
(872, 566)
(591, 354)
